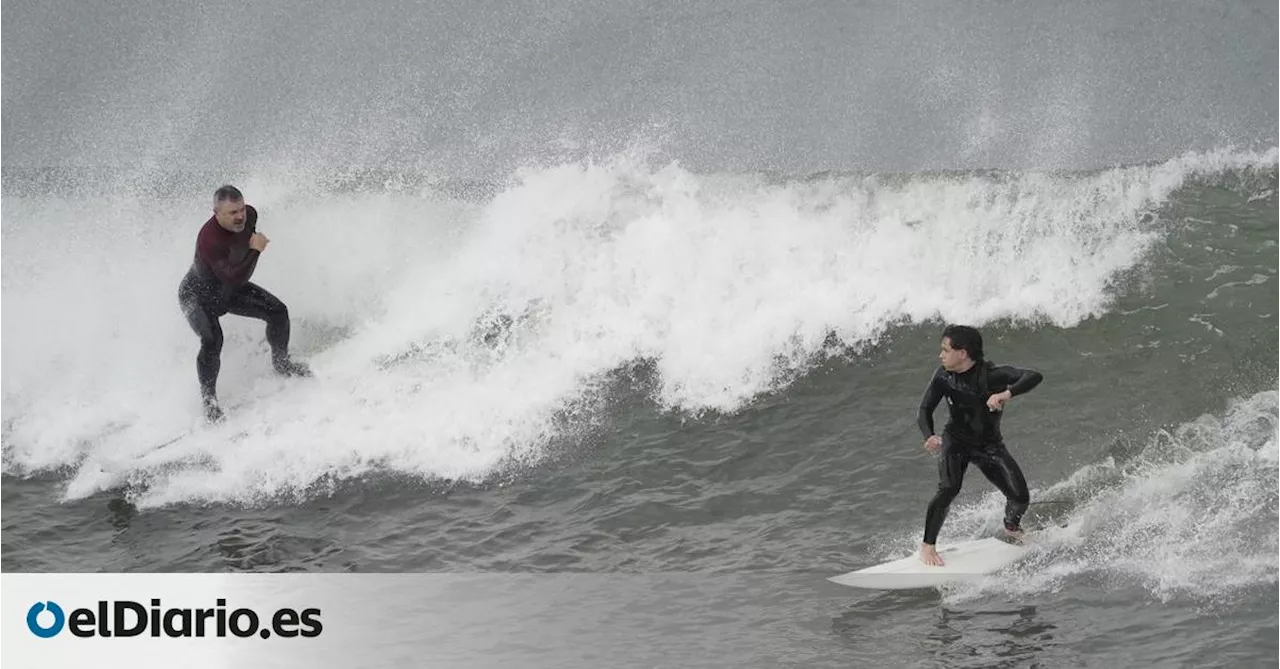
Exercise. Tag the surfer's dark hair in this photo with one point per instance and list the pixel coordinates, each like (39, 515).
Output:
(967, 339)
(227, 193)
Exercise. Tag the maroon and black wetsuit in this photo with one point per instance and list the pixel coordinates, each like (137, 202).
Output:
(223, 261)
(218, 284)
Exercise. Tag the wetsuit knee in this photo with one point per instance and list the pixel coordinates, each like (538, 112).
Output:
(211, 344)
(203, 320)
(279, 313)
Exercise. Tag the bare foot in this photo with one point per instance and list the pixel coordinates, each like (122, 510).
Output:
(1017, 535)
(929, 555)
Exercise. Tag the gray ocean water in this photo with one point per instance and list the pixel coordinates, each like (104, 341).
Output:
(634, 304)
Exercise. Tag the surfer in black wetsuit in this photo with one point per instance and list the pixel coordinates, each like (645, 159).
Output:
(227, 251)
(976, 392)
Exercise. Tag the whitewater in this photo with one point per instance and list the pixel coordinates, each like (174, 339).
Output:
(455, 337)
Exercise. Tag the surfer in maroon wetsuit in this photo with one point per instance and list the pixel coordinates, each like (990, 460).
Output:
(227, 252)
(976, 392)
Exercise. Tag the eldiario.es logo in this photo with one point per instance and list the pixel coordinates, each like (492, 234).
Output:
(125, 618)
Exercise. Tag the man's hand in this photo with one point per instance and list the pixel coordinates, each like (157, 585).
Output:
(996, 401)
(258, 242)
(932, 444)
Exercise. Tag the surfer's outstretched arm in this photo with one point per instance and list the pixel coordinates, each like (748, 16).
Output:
(929, 402)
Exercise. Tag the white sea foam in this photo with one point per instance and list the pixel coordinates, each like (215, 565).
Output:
(450, 337)
(1190, 515)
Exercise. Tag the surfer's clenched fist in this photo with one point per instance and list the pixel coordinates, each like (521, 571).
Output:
(932, 444)
(996, 401)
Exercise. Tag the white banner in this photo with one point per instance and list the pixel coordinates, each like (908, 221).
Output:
(162, 620)
(247, 621)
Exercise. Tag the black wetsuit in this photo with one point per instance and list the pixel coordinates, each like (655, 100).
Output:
(973, 435)
(218, 284)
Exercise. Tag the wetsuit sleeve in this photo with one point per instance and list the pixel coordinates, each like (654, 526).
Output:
(217, 255)
(929, 402)
(1020, 380)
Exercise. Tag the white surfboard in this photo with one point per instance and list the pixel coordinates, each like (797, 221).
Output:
(965, 561)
